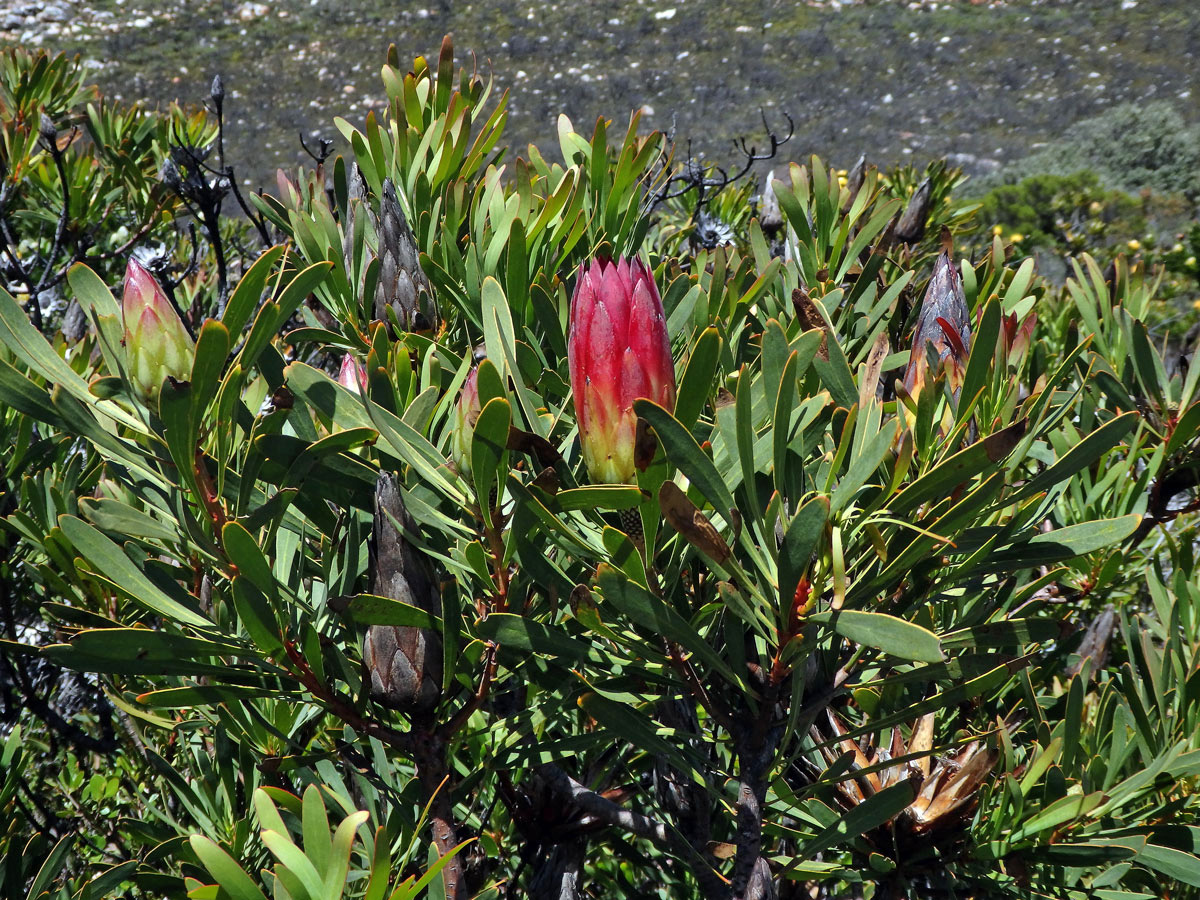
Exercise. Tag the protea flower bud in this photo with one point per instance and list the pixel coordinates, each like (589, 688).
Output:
(1017, 336)
(466, 412)
(352, 375)
(944, 323)
(156, 343)
(618, 352)
(911, 227)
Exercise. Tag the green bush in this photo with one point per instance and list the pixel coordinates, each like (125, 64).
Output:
(841, 635)
(1130, 147)
(1067, 213)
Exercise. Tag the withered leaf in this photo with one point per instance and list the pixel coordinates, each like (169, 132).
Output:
(645, 444)
(534, 444)
(810, 317)
(547, 480)
(1003, 442)
(682, 515)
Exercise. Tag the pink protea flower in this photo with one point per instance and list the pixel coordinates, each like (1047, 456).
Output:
(466, 413)
(618, 352)
(156, 343)
(352, 375)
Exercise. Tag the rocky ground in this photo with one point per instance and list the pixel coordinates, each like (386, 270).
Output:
(983, 81)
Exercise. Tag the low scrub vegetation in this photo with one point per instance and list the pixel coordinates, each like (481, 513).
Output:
(462, 523)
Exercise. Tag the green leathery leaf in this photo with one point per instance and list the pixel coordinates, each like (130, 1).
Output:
(370, 609)
(629, 723)
(835, 374)
(343, 847)
(488, 382)
(415, 450)
(1066, 543)
(212, 351)
(27, 398)
(293, 858)
(983, 350)
(175, 409)
(268, 813)
(526, 635)
(1079, 457)
(243, 551)
(651, 613)
(50, 868)
(1173, 863)
(249, 290)
(121, 518)
(488, 450)
(942, 478)
(257, 617)
(499, 336)
(698, 374)
(1067, 809)
(781, 420)
(863, 465)
(111, 561)
(28, 345)
(683, 451)
(1186, 428)
(896, 637)
(305, 282)
(105, 884)
(314, 823)
(799, 541)
(232, 878)
(339, 405)
(874, 811)
(1010, 633)
(600, 496)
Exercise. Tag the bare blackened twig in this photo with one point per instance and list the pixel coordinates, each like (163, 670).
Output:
(610, 813)
(324, 151)
(604, 809)
(217, 93)
(48, 134)
(707, 182)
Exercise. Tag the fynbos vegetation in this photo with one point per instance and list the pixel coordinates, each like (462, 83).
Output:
(461, 523)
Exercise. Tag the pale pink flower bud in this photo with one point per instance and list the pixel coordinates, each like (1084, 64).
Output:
(156, 343)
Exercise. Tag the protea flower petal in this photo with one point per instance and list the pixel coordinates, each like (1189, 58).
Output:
(352, 375)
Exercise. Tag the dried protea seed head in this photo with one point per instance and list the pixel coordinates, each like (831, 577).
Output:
(405, 662)
(47, 130)
(403, 286)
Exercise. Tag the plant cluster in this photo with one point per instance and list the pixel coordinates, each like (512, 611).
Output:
(823, 560)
